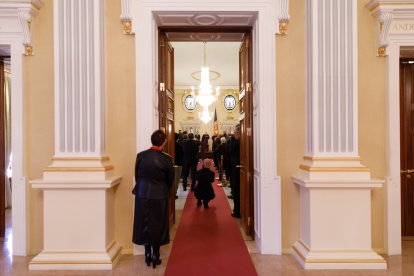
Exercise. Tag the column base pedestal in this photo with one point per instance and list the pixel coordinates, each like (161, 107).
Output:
(329, 259)
(48, 260)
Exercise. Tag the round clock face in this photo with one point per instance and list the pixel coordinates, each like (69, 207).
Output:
(229, 102)
(190, 102)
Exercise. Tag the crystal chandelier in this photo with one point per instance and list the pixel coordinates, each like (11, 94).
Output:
(205, 95)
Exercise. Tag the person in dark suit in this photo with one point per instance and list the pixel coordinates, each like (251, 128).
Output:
(205, 177)
(154, 176)
(190, 159)
(234, 154)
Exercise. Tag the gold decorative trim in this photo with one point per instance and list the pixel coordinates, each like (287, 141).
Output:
(304, 245)
(127, 27)
(78, 169)
(70, 262)
(381, 52)
(99, 158)
(336, 260)
(28, 50)
(333, 169)
(283, 28)
(345, 158)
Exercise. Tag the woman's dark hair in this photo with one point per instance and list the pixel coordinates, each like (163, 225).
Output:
(158, 138)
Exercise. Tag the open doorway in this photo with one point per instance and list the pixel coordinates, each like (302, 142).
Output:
(5, 150)
(407, 146)
(228, 55)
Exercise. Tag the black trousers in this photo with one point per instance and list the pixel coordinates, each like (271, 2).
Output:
(235, 189)
(187, 168)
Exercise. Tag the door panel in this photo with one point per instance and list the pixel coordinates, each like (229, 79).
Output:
(407, 147)
(3, 168)
(166, 104)
(246, 136)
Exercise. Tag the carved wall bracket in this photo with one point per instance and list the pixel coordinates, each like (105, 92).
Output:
(24, 13)
(126, 17)
(283, 17)
(386, 12)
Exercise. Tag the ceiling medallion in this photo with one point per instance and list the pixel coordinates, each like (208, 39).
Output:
(213, 75)
(205, 20)
(205, 36)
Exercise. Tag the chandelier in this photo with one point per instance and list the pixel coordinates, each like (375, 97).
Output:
(205, 95)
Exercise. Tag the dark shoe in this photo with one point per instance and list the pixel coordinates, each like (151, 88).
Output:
(176, 196)
(148, 256)
(198, 202)
(235, 215)
(184, 189)
(230, 196)
(205, 204)
(156, 256)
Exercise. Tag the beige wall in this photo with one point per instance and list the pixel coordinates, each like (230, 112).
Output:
(39, 114)
(372, 111)
(121, 137)
(291, 128)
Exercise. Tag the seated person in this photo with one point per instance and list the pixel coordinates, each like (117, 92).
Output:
(205, 177)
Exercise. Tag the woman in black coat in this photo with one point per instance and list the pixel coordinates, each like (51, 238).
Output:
(154, 176)
(204, 191)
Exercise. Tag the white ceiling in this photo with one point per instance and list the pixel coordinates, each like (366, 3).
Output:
(222, 57)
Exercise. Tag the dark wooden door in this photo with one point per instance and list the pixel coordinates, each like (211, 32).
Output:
(166, 103)
(407, 146)
(246, 136)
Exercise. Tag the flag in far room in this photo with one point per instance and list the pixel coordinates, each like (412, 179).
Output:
(215, 122)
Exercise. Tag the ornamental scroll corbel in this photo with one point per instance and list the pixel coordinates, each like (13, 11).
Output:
(283, 17)
(25, 18)
(126, 17)
(384, 21)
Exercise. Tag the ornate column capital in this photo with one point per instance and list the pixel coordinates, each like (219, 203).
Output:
(283, 18)
(126, 17)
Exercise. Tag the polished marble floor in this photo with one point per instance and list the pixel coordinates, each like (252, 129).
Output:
(284, 265)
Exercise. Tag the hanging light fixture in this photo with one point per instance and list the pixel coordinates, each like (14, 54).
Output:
(205, 95)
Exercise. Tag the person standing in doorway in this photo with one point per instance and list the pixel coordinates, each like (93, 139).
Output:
(234, 154)
(154, 176)
(190, 159)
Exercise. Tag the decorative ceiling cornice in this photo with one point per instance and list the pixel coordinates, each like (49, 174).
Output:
(386, 12)
(23, 11)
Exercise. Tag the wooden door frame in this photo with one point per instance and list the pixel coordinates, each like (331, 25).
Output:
(267, 186)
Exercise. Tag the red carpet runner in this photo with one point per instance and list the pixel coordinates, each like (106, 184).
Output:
(208, 241)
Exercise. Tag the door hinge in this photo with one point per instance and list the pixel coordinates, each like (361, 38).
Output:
(248, 86)
(249, 221)
(162, 86)
(248, 176)
(249, 131)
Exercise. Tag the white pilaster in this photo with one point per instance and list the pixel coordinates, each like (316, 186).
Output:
(77, 186)
(335, 188)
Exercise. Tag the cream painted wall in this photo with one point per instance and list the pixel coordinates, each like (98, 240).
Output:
(372, 114)
(291, 114)
(39, 114)
(120, 116)
(121, 140)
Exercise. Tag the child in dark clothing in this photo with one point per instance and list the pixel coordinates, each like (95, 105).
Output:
(204, 191)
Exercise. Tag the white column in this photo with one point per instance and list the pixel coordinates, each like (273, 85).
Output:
(77, 186)
(335, 188)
